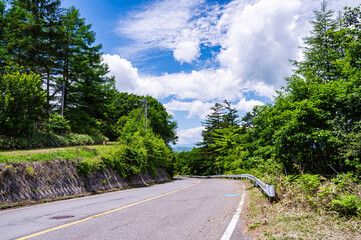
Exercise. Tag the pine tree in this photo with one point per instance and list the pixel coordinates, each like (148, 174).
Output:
(230, 116)
(322, 47)
(87, 88)
(31, 34)
(213, 121)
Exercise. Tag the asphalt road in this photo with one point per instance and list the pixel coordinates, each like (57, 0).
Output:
(182, 209)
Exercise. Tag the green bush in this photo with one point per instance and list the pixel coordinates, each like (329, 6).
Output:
(57, 124)
(347, 205)
(21, 103)
(139, 151)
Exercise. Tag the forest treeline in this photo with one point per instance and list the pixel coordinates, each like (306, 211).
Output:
(50, 64)
(314, 123)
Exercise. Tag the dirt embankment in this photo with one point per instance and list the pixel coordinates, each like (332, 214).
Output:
(24, 182)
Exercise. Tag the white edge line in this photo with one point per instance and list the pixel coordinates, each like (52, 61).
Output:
(232, 225)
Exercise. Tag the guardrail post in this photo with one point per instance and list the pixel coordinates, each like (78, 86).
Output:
(271, 191)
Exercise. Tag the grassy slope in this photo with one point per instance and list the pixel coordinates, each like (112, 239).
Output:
(279, 221)
(41, 150)
(69, 153)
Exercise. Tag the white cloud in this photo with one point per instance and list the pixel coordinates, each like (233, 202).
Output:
(260, 40)
(125, 74)
(163, 24)
(203, 85)
(190, 136)
(186, 51)
(244, 105)
(202, 109)
(195, 108)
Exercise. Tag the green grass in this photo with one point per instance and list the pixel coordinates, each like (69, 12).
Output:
(79, 153)
(48, 149)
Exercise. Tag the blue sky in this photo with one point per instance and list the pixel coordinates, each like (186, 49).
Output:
(190, 54)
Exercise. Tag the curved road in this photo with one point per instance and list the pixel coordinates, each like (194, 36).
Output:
(182, 209)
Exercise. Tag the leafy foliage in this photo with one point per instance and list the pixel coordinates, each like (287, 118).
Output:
(124, 104)
(21, 103)
(139, 151)
(57, 124)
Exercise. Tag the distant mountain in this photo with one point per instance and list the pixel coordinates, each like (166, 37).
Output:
(182, 148)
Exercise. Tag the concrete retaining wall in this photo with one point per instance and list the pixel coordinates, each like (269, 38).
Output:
(43, 180)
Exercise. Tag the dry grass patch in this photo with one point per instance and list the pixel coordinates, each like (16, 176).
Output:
(278, 221)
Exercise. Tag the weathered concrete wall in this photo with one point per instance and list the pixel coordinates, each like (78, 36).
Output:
(43, 180)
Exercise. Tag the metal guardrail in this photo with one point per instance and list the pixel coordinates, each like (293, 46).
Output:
(269, 190)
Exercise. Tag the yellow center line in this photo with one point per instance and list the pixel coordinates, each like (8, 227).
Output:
(104, 213)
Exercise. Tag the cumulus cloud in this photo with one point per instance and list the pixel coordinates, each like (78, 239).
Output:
(194, 108)
(203, 85)
(190, 136)
(125, 74)
(260, 40)
(247, 106)
(186, 51)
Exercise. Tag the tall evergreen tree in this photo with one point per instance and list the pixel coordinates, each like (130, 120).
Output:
(322, 47)
(83, 73)
(32, 39)
(230, 116)
(221, 126)
(213, 121)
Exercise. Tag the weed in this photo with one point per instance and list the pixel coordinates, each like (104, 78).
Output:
(29, 171)
(347, 205)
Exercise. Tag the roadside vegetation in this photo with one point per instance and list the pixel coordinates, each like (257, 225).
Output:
(306, 143)
(265, 220)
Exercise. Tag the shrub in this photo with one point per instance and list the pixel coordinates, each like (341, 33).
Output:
(347, 205)
(21, 102)
(57, 124)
